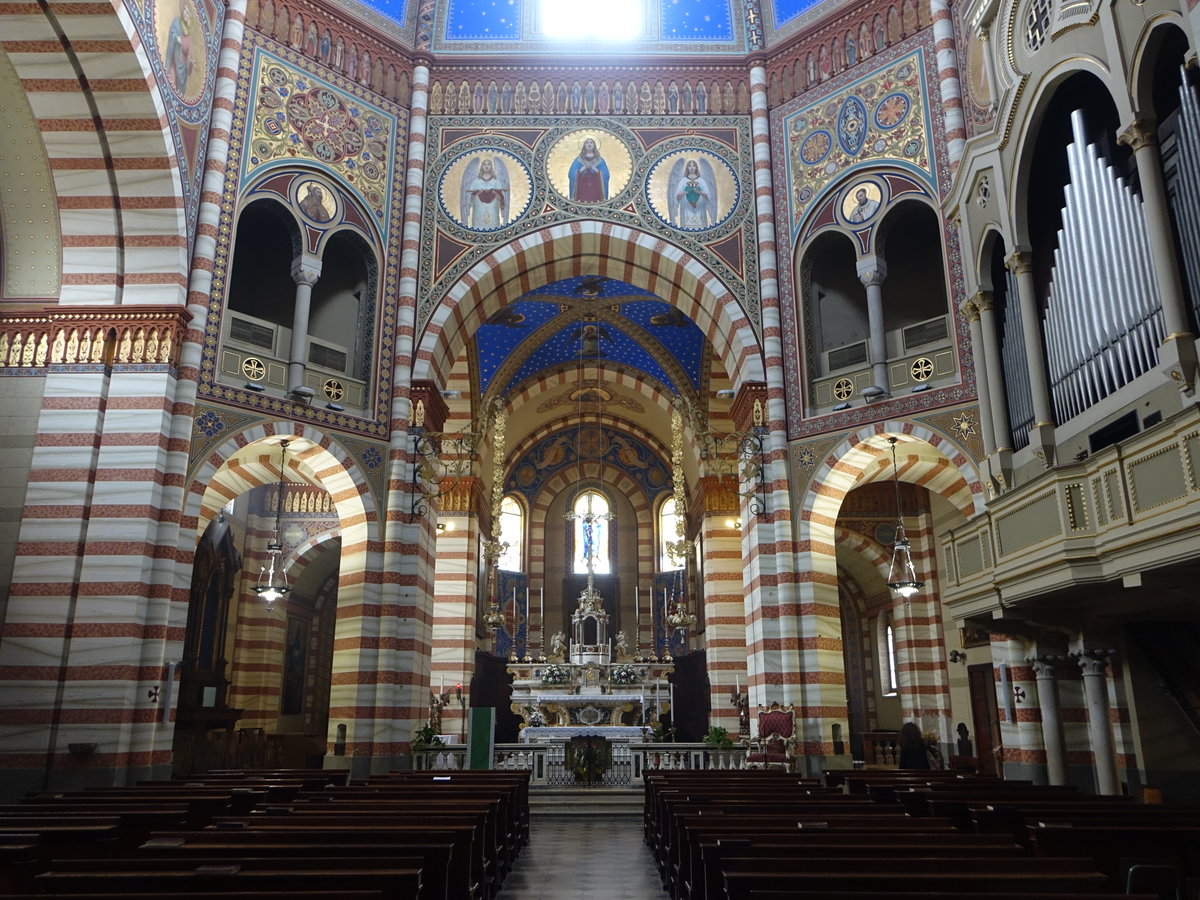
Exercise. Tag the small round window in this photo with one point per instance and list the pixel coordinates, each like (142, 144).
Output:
(1037, 23)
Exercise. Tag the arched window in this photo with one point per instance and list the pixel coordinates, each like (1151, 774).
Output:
(512, 532)
(885, 637)
(590, 519)
(668, 534)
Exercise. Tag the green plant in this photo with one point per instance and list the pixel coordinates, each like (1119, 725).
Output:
(718, 737)
(658, 734)
(424, 738)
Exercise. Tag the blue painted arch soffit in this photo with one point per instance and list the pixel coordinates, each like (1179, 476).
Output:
(589, 321)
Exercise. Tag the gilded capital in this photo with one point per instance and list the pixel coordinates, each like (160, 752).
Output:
(1138, 134)
(1019, 262)
(982, 300)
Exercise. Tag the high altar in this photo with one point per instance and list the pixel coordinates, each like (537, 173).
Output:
(588, 686)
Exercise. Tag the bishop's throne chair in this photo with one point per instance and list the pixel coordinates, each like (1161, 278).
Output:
(775, 746)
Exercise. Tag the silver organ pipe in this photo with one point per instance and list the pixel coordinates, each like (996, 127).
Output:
(1103, 318)
(1016, 367)
(1186, 205)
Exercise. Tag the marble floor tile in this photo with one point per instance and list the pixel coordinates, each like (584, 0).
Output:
(584, 858)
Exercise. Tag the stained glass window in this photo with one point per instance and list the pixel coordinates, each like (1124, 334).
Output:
(667, 534)
(591, 533)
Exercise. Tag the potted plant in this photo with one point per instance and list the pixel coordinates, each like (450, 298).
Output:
(425, 738)
(718, 738)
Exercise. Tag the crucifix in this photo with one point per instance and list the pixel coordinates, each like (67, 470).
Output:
(592, 523)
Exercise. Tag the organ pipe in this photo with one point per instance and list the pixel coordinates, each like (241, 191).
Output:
(1103, 317)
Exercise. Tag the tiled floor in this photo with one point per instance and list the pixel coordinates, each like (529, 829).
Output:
(584, 858)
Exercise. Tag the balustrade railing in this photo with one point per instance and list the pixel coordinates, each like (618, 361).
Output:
(547, 762)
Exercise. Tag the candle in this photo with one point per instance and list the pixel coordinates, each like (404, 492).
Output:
(637, 607)
(672, 703)
(737, 685)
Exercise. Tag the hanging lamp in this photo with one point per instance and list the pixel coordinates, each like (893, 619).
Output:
(902, 576)
(272, 580)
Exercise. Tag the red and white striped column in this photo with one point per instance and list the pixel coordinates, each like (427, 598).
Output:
(949, 85)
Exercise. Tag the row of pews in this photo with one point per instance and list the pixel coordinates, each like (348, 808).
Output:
(303, 835)
(767, 835)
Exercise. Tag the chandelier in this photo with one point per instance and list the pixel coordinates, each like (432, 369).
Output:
(272, 580)
(902, 576)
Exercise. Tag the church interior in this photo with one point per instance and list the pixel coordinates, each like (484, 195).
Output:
(376, 370)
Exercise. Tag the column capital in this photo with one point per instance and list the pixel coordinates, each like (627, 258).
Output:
(306, 270)
(1045, 666)
(1019, 262)
(1138, 134)
(982, 301)
(872, 270)
(1092, 662)
(969, 310)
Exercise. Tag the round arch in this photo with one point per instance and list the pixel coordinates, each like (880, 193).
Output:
(1025, 135)
(595, 248)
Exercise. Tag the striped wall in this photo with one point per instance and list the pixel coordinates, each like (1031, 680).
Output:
(119, 198)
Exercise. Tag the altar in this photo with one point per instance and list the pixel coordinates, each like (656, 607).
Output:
(590, 685)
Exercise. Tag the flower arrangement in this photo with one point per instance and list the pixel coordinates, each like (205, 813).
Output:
(718, 738)
(624, 674)
(555, 674)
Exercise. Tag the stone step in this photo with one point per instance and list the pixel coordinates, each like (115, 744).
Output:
(585, 802)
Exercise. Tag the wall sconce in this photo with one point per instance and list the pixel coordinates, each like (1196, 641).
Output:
(957, 656)
(734, 523)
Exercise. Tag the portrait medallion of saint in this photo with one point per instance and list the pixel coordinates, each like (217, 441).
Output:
(181, 47)
(316, 201)
(692, 190)
(589, 166)
(861, 202)
(485, 189)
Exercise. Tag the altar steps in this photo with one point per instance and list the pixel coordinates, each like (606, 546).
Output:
(586, 802)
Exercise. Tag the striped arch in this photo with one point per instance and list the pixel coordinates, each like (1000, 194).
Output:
(237, 465)
(938, 465)
(106, 137)
(599, 248)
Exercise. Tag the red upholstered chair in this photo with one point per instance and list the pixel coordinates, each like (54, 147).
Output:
(775, 745)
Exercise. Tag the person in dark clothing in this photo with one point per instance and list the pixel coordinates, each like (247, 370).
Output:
(912, 747)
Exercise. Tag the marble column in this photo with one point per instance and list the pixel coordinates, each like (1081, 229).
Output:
(305, 272)
(1095, 695)
(1041, 436)
(1179, 346)
(1052, 733)
(871, 272)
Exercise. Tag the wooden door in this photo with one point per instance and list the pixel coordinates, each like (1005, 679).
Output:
(984, 714)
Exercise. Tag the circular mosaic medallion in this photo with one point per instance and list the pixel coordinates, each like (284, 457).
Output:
(692, 189)
(589, 166)
(843, 389)
(333, 389)
(485, 189)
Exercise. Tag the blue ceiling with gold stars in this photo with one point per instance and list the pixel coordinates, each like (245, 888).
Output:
(587, 320)
(667, 20)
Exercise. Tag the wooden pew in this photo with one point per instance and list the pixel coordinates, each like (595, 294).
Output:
(394, 883)
(832, 882)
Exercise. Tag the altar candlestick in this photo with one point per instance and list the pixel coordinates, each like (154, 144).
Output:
(672, 704)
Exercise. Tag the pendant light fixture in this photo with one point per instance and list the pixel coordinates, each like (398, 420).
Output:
(272, 580)
(902, 576)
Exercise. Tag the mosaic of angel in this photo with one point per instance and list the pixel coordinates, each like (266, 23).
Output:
(692, 193)
(485, 193)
